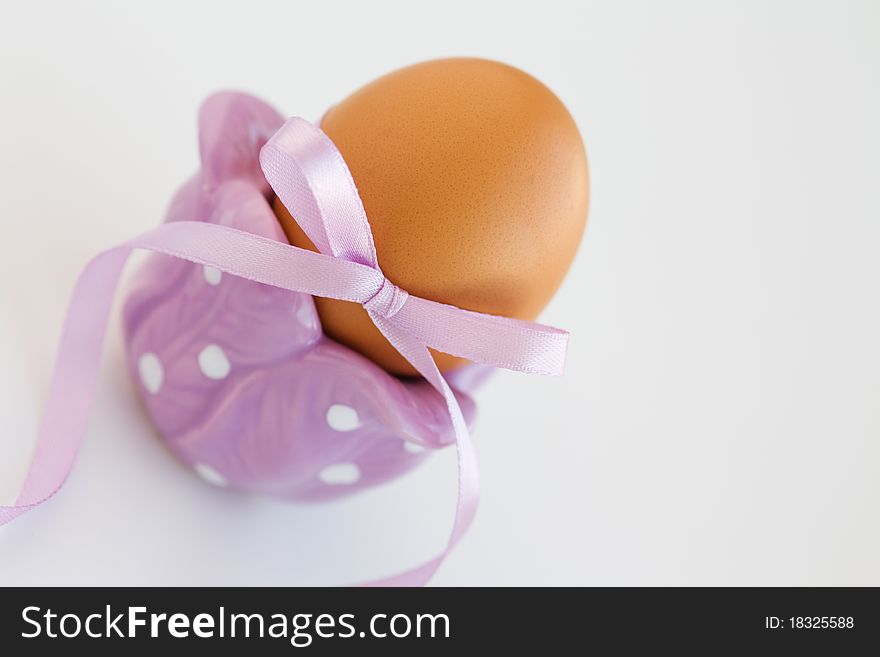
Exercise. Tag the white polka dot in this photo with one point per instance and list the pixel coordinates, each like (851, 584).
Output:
(413, 448)
(151, 372)
(212, 275)
(340, 474)
(342, 418)
(209, 474)
(213, 362)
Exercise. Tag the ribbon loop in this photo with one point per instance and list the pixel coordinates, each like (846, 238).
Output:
(309, 175)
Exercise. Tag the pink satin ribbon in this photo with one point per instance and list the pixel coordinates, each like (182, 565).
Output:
(310, 177)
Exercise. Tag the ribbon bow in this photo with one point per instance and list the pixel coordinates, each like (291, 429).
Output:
(311, 178)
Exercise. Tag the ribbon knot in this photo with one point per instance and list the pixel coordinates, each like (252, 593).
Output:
(387, 301)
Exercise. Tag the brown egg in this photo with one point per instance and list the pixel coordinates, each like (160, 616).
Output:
(474, 179)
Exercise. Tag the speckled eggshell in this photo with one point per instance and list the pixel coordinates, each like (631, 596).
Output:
(474, 178)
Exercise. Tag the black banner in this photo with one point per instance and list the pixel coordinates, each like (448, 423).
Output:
(437, 620)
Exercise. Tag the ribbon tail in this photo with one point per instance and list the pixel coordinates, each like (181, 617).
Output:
(418, 355)
(489, 339)
(73, 384)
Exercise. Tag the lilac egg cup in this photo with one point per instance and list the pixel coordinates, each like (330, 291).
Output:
(239, 378)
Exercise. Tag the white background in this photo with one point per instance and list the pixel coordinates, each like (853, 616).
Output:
(719, 419)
